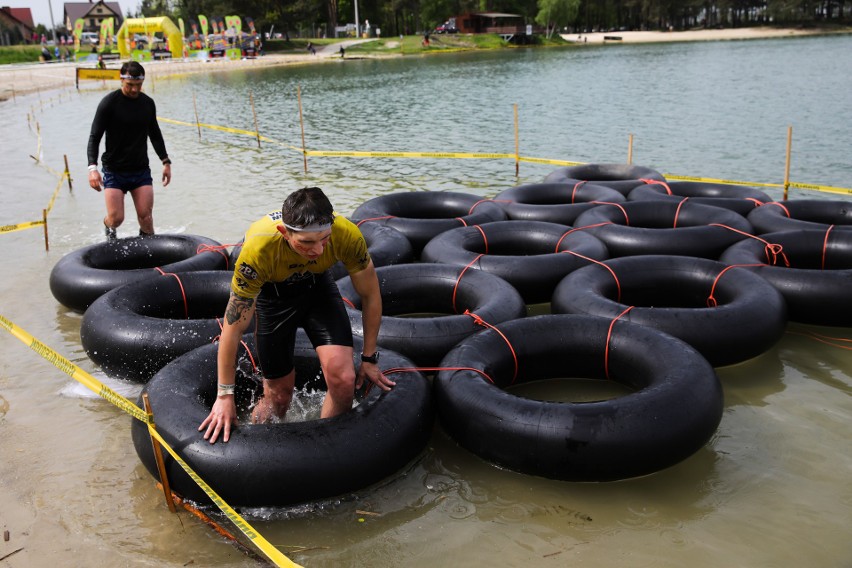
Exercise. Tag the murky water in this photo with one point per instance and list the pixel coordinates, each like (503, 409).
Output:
(770, 489)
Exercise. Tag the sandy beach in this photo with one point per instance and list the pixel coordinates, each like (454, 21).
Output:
(28, 78)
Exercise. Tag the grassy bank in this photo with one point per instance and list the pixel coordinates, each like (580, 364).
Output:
(409, 45)
(19, 54)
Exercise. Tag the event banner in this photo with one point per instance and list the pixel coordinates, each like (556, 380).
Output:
(203, 21)
(107, 31)
(235, 23)
(78, 33)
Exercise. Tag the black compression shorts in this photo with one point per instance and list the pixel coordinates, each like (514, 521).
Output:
(313, 304)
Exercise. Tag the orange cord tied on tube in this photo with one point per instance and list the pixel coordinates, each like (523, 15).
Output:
(657, 182)
(609, 337)
(182, 291)
(677, 211)
(783, 208)
(218, 248)
(479, 321)
(577, 186)
(825, 245)
(436, 370)
(458, 280)
(599, 263)
(362, 221)
(243, 343)
(620, 207)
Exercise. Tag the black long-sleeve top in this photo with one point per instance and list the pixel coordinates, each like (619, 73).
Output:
(128, 124)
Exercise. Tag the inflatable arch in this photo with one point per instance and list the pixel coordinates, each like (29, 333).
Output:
(150, 26)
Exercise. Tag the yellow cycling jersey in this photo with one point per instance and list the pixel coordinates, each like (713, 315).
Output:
(266, 255)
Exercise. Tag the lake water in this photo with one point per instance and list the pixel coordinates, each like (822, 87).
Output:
(770, 489)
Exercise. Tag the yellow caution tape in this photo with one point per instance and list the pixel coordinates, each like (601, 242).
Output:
(55, 192)
(127, 406)
(20, 226)
(453, 155)
(548, 162)
(721, 181)
(485, 156)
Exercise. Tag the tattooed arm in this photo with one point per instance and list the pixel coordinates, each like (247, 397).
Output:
(238, 314)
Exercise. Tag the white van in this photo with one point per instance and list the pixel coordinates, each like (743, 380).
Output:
(89, 38)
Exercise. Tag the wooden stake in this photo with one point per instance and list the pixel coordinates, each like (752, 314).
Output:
(787, 165)
(630, 149)
(158, 457)
(197, 123)
(517, 143)
(302, 124)
(256, 129)
(44, 219)
(68, 173)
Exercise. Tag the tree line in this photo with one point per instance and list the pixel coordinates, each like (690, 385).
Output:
(316, 18)
(394, 17)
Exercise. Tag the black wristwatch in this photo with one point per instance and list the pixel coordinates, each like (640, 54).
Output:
(374, 358)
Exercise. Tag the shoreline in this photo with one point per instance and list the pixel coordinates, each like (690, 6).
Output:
(23, 79)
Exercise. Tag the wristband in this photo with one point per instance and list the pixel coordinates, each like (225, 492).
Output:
(93, 167)
(225, 389)
(167, 162)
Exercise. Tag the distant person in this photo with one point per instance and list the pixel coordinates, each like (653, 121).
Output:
(129, 118)
(342, 53)
(311, 48)
(426, 39)
(101, 62)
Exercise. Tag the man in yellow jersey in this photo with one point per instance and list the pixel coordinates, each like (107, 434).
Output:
(282, 277)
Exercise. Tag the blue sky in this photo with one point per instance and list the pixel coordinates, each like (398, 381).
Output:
(41, 9)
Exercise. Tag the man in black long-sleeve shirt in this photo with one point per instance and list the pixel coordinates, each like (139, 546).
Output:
(129, 118)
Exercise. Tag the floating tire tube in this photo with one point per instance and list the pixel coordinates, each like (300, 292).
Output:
(133, 331)
(441, 294)
(553, 202)
(285, 463)
(737, 198)
(386, 246)
(81, 276)
(662, 227)
(817, 283)
(421, 215)
(673, 410)
(620, 177)
(802, 214)
(672, 294)
(532, 256)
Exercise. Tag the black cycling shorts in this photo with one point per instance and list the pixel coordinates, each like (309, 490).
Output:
(314, 304)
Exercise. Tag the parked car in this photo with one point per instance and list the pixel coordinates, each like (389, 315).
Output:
(446, 28)
(89, 38)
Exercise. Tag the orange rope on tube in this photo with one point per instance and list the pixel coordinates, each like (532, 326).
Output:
(479, 321)
(599, 263)
(435, 370)
(458, 280)
(623, 210)
(657, 182)
(182, 291)
(783, 208)
(677, 211)
(825, 245)
(577, 186)
(609, 337)
(375, 219)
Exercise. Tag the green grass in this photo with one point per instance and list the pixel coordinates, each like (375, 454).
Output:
(411, 45)
(19, 54)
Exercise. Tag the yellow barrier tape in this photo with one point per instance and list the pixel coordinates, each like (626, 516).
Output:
(55, 192)
(271, 552)
(826, 188)
(127, 406)
(250, 133)
(721, 181)
(454, 155)
(20, 226)
(488, 156)
(549, 162)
